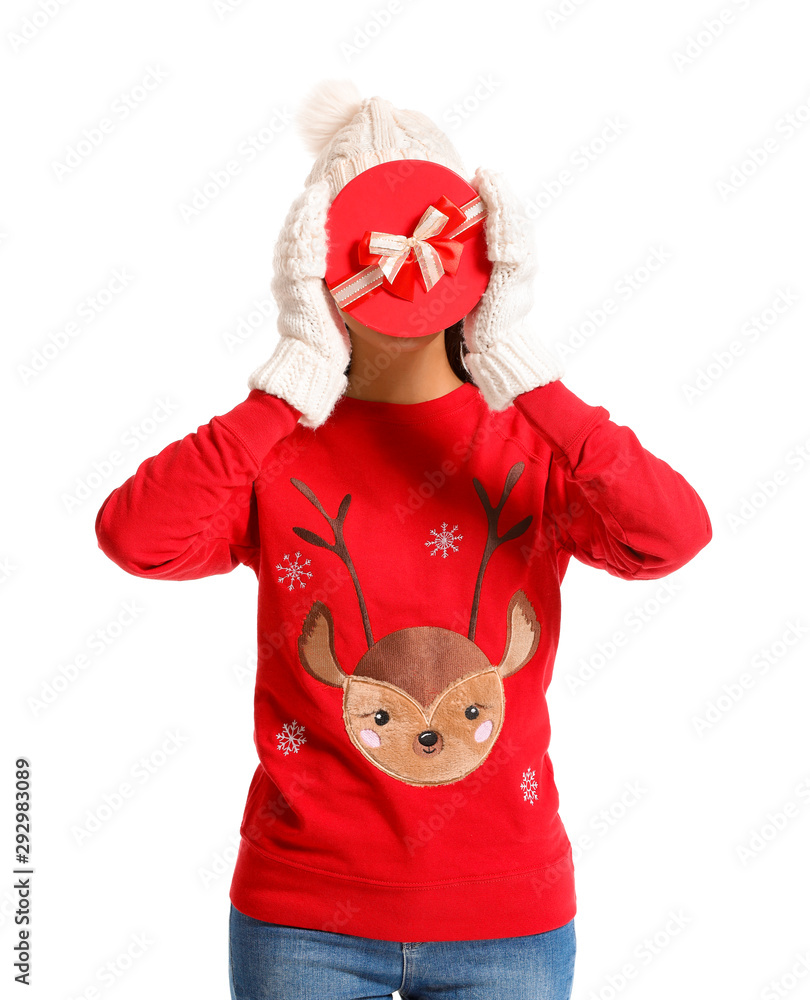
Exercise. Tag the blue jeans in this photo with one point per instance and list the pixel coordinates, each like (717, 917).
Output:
(275, 962)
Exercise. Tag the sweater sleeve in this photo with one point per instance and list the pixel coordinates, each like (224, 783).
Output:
(617, 506)
(189, 511)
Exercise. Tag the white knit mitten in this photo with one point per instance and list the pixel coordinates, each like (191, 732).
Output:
(503, 360)
(314, 347)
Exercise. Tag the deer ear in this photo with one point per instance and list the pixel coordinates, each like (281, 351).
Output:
(522, 634)
(316, 646)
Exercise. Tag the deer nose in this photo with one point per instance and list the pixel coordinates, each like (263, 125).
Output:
(427, 742)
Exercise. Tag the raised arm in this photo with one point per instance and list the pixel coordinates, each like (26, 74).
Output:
(615, 504)
(189, 511)
(618, 507)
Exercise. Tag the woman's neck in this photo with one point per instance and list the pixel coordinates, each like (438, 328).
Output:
(400, 369)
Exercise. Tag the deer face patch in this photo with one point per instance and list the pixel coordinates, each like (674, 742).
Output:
(423, 704)
(425, 744)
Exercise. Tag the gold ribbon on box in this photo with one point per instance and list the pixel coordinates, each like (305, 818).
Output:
(393, 260)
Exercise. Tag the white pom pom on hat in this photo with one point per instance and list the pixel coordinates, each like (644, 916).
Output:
(328, 107)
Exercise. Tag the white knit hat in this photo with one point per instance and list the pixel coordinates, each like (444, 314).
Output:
(348, 134)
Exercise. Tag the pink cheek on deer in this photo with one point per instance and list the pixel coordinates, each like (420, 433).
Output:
(483, 731)
(370, 738)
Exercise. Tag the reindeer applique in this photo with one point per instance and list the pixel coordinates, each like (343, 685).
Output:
(423, 704)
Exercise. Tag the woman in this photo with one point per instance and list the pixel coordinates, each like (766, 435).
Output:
(409, 505)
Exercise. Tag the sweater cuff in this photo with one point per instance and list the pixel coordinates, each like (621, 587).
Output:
(558, 414)
(311, 381)
(260, 421)
(510, 367)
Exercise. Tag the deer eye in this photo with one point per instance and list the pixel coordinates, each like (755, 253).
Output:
(471, 712)
(381, 717)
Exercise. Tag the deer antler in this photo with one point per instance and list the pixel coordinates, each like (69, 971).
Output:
(493, 539)
(340, 548)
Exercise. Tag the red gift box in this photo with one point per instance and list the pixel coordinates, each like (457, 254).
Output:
(406, 248)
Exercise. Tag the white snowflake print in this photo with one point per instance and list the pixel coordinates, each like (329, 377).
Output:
(293, 571)
(529, 786)
(290, 738)
(444, 540)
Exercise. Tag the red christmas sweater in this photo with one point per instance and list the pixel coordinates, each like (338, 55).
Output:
(409, 560)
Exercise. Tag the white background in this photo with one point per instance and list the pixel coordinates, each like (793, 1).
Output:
(516, 89)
